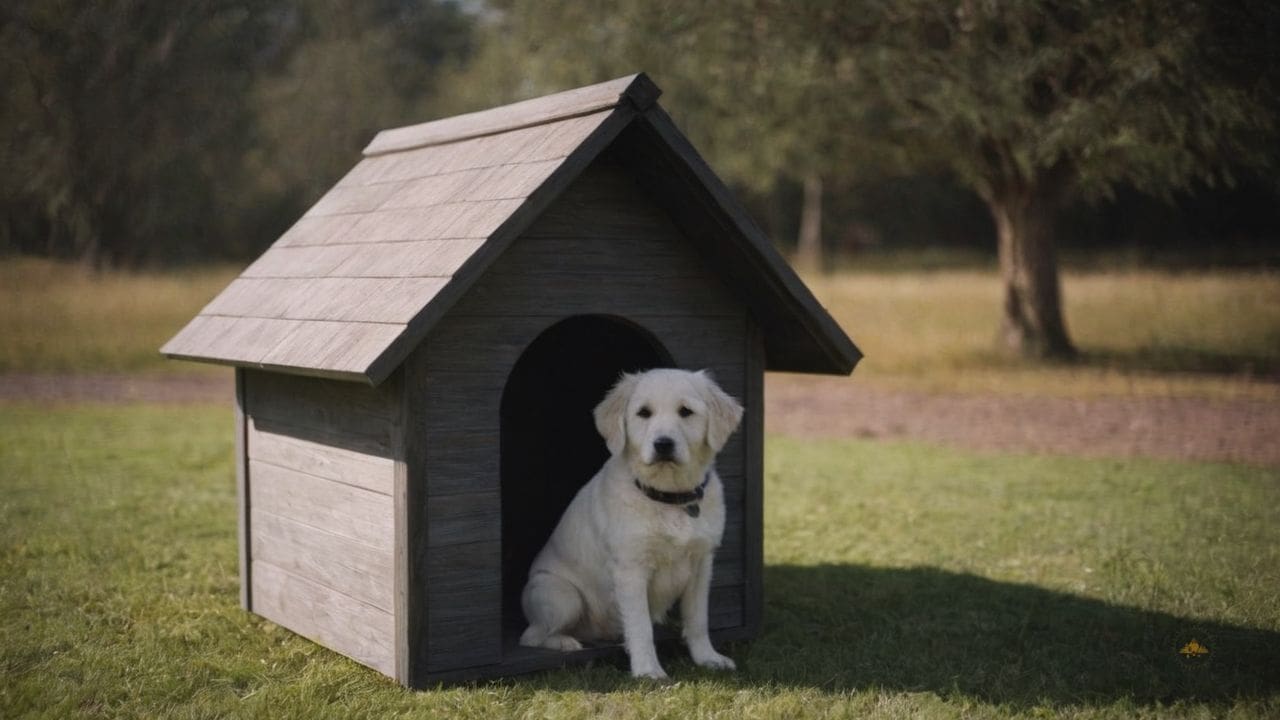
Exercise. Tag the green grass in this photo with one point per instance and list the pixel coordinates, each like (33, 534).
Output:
(56, 317)
(901, 581)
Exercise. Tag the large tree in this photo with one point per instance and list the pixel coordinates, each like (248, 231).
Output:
(1036, 102)
(1029, 103)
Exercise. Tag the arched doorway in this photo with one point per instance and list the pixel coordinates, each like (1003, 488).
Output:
(549, 444)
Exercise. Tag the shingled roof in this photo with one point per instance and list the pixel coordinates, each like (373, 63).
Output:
(361, 278)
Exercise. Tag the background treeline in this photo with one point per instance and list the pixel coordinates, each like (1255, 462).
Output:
(139, 132)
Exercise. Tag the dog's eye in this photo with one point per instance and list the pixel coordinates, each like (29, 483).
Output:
(644, 412)
(685, 412)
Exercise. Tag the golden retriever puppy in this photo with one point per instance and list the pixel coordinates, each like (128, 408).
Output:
(641, 533)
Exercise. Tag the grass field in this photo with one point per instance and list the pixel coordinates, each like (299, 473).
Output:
(1146, 332)
(57, 317)
(902, 581)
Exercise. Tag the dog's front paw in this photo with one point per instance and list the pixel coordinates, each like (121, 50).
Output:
(654, 672)
(714, 661)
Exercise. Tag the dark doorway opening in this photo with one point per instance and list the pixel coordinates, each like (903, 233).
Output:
(549, 444)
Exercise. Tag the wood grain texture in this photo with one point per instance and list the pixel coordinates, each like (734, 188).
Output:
(321, 460)
(753, 502)
(333, 619)
(463, 518)
(464, 606)
(413, 585)
(339, 563)
(344, 510)
(242, 493)
(478, 264)
(579, 101)
(334, 409)
(802, 335)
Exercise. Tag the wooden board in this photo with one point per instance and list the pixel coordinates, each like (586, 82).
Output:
(242, 493)
(464, 606)
(637, 89)
(369, 472)
(337, 621)
(323, 557)
(327, 411)
(345, 510)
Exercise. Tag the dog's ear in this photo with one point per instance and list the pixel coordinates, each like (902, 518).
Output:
(611, 413)
(723, 413)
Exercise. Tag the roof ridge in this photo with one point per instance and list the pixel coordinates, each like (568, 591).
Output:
(636, 89)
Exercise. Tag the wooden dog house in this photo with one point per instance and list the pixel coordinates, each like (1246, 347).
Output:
(417, 359)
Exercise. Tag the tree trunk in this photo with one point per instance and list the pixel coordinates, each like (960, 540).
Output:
(809, 242)
(1032, 323)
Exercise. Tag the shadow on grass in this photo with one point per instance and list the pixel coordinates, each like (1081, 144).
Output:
(843, 627)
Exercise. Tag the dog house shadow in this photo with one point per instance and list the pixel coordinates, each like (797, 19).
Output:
(849, 627)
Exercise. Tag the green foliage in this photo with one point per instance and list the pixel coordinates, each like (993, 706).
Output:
(901, 581)
(137, 131)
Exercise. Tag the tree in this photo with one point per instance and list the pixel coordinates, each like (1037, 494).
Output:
(114, 124)
(1031, 103)
(137, 131)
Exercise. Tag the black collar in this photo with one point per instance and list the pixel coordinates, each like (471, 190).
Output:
(675, 498)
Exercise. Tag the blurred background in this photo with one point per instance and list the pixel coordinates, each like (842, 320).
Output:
(974, 150)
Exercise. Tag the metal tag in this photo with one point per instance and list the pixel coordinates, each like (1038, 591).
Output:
(693, 510)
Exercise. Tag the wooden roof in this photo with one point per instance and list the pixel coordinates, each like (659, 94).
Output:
(361, 278)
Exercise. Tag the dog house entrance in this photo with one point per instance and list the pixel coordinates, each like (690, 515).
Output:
(550, 447)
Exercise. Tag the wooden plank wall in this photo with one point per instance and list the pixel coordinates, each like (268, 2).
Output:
(603, 248)
(321, 474)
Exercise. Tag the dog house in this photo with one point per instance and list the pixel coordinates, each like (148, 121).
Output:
(417, 359)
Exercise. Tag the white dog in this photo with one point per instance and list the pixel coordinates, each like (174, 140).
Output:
(641, 533)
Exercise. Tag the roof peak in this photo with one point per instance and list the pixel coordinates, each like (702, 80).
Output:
(636, 89)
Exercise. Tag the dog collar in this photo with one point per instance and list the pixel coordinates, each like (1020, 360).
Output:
(688, 499)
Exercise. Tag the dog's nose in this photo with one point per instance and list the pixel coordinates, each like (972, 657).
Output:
(664, 446)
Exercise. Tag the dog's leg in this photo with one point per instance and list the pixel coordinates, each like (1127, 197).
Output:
(551, 605)
(693, 618)
(631, 588)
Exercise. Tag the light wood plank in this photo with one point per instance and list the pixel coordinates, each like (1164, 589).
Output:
(319, 230)
(437, 189)
(261, 298)
(338, 508)
(344, 199)
(228, 339)
(421, 258)
(363, 572)
(337, 346)
(326, 405)
(638, 88)
(337, 621)
(357, 469)
(512, 181)
(306, 261)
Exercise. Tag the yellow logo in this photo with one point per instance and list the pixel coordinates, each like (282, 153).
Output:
(1194, 649)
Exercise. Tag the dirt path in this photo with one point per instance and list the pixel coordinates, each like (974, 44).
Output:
(1162, 427)
(1175, 428)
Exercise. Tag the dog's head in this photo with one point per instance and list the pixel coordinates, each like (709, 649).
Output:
(672, 420)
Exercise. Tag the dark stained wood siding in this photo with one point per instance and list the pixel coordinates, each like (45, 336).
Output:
(319, 510)
(602, 249)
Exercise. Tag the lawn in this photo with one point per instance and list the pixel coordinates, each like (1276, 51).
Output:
(902, 580)
(1213, 333)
